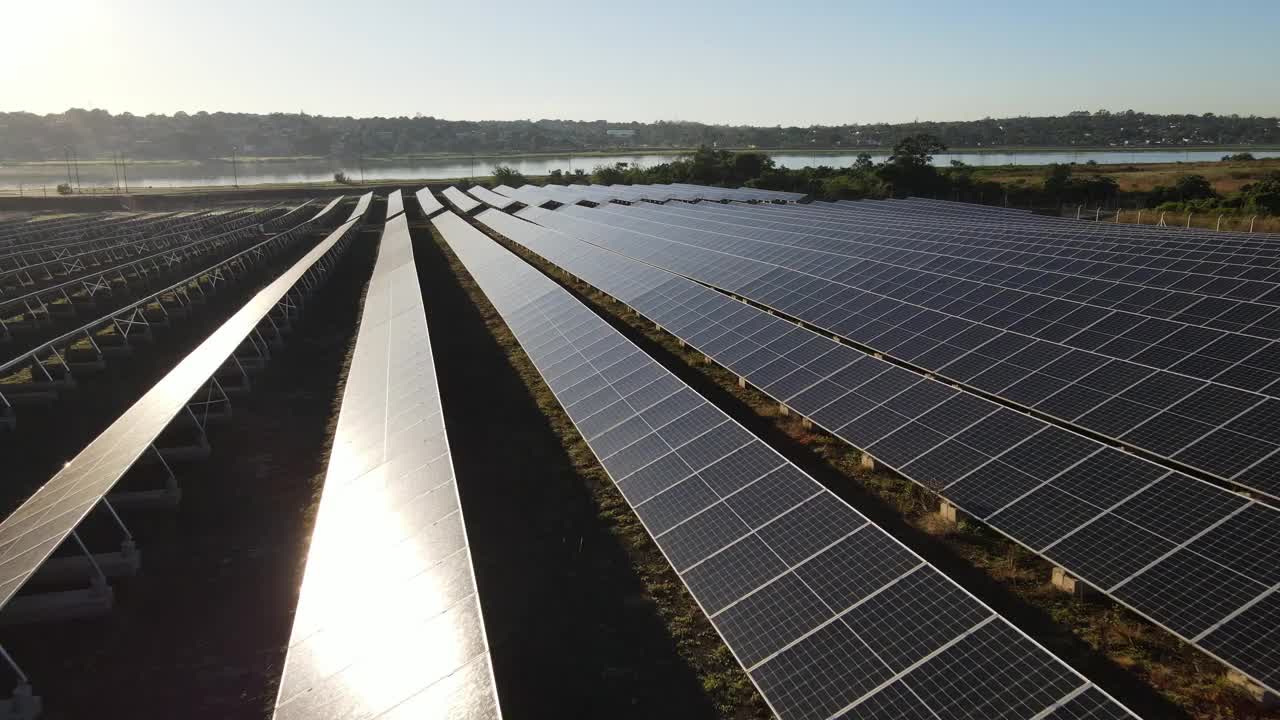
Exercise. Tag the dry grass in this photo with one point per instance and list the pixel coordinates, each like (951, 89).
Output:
(1226, 176)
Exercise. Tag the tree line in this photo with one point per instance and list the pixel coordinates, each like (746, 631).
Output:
(205, 135)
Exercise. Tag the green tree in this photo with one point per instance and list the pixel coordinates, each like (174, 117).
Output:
(748, 165)
(1057, 179)
(858, 186)
(609, 174)
(1263, 195)
(909, 169)
(1193, 187)
(509, 176)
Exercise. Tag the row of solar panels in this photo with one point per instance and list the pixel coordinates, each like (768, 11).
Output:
(540, 195)
(1200, 560)
(830, 616)
(1074, 361)
(50, 516)
(389, 621)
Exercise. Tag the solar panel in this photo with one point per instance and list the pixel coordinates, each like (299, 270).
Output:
(395, 204)
(884, 307)
(826, 612)
(429, 203)
(1125, 525)
(388, 615)
(491, 198)
(332, 204)
(460, 200)
(362, 207)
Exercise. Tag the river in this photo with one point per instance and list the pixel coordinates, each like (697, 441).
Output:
(45, 178)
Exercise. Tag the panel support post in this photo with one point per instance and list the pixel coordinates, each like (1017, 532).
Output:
(1068, 583)
(783, 410)
(23, 704)
(742, 381)
(866, 462)
(806, 423)
(948, 512)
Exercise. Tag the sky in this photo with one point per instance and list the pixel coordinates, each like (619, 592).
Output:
(794, 62)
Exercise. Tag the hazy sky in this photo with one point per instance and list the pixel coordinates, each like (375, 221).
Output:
(772, 62)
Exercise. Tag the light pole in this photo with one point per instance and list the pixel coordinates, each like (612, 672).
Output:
(235, 175)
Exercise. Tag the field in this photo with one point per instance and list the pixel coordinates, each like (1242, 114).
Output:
(1226, 176)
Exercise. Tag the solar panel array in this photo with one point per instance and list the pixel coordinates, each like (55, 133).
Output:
(830, 616)
(491, 198)
(1116, 274)
(463, 202)
(47, 518)
(540, 195)
(389, 623)
(430, 203)
(1200, 560)
(985, 339)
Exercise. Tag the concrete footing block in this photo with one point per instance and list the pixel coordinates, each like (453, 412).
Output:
(866, 462)
(1264, 697)
(1068, 583)
(24, 704)
(742, 381)
(949, 513)
(93, 601)
(783, 410)
(806, 423)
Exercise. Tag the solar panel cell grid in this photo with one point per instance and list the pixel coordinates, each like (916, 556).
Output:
(1070, 403)
(805, 668)
(1016, 491)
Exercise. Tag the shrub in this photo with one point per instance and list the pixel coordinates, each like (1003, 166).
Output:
(341, 178)
(64, 189)
(507, 175)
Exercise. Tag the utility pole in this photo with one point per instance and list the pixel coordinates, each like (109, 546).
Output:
(75, 161)
(66, 156)
(361, 155)
(115, 168)
(235, 176)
